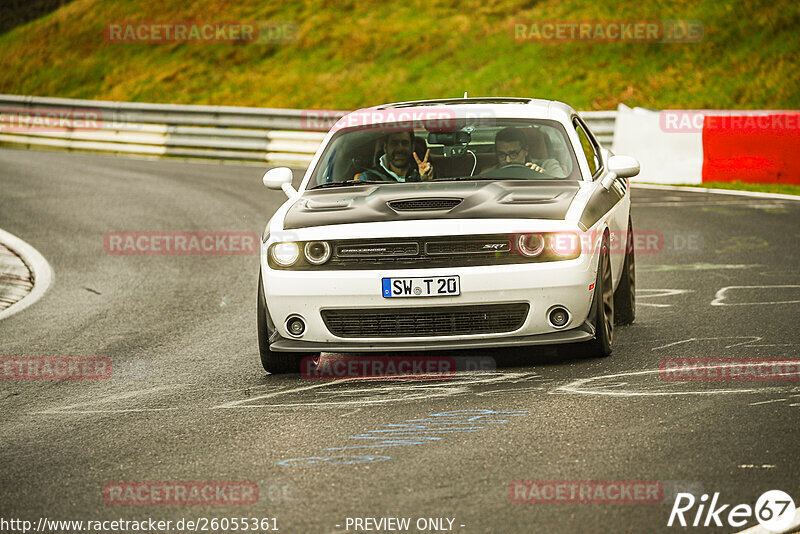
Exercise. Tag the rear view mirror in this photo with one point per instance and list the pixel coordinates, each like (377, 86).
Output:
(449, 138)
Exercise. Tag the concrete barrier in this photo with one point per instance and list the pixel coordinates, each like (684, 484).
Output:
(695, 146)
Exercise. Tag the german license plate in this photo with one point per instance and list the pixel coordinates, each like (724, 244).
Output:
(434, 286)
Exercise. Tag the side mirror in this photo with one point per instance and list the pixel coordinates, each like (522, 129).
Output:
(623, 166)
(280, 178)
(608, 181)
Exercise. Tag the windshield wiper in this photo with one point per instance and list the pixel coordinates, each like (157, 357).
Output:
(349, 183)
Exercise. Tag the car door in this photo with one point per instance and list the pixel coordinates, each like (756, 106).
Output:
(612, 204)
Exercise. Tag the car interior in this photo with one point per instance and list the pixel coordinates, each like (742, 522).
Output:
(361, 150)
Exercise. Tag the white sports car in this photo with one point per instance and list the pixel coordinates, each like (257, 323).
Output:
(447, 224)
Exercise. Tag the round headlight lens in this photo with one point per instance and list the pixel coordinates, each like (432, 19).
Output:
(285, 254)
(317, 252)
(530, 244)
(565, 244)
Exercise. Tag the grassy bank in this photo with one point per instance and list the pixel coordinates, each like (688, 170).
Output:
(352, 54)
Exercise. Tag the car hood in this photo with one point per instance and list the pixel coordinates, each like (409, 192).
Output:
(541, 199)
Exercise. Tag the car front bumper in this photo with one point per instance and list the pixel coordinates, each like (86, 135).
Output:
(541, 285)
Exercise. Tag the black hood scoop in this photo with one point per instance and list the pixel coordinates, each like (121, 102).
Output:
(425, 204)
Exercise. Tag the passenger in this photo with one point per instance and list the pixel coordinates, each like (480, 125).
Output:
(396, 164)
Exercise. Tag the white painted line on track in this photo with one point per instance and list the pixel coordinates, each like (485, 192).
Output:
(40, 269)
(756, 194)
(402, 391)
(767, 402)
(577, 386)
(656, 293)
(719, 298)
(75, 408)
(243, 403)
(747, 342)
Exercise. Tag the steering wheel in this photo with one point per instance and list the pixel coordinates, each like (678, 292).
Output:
(513, 171)
(507, 165)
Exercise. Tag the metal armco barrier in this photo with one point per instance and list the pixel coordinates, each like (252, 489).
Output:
(271, 136)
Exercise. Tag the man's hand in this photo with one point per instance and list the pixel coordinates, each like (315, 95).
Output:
(425, 168)
(535, 167)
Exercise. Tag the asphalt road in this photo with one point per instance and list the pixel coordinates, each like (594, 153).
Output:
(187, 399)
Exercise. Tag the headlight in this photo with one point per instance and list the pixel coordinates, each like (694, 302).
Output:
(285, 254)
(565, 244)
(530, 245)
(317, 252)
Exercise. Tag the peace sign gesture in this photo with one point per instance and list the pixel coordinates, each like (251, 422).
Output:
(425, 168)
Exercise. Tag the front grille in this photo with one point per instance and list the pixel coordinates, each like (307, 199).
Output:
(426, 322)
(425, 204)
(467, 246)
(424, 252)
(376, 249)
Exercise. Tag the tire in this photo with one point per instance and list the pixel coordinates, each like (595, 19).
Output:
(602, 307)
(625, 295)
(272, 361)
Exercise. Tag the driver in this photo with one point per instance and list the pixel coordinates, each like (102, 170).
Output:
(396, 163)
(511, 147)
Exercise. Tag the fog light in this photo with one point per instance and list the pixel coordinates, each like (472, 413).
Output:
(558, 317)
(296, 326)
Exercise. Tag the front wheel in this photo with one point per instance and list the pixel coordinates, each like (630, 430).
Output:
(603, 307)
(625, 295)
(272, 361)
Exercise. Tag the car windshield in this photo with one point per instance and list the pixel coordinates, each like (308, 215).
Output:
(496, 149)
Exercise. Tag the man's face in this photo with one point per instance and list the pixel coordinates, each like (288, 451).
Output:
(511, 152)
(398, 149)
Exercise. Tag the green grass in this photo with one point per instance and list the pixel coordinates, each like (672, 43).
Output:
(785, 189)
(351, 54)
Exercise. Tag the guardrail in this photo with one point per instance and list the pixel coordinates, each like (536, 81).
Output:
(271, 136)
